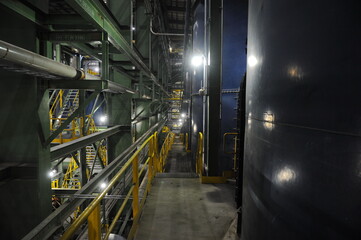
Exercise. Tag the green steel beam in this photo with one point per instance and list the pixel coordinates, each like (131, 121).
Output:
(67, 148)
(23, 10)
(72, 36)
(98, 85)
(65, 19)
(96, 13)
(105, 56)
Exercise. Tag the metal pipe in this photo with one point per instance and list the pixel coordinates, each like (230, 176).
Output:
(33, 61)
(162, 34)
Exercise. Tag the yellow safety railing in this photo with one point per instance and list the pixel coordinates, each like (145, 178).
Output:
(57, 102)
(199, 155)
(153, 163)
(181, 135)
(168, 142)
(75, 129)
(69, 181)
(199, 164)
(187, 143)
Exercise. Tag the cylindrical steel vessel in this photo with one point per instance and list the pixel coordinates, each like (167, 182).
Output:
(302, 160)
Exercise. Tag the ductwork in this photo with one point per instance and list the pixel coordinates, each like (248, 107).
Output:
(37, 63)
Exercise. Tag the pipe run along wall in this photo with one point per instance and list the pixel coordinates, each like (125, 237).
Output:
(35, 62)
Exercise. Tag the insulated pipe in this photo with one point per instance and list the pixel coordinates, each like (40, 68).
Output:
(33, 61)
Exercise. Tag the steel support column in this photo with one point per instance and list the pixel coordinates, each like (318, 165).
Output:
(213, 73)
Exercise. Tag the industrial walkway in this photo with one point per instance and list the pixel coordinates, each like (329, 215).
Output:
(179, 207)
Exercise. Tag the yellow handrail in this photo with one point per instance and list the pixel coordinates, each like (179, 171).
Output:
(168, 142)
(58, 100)
(154, 162)
(199, 155)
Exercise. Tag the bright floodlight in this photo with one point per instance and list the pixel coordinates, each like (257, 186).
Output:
(103, 118)
(180, 120)
(103, 185)
(52, 173)
(133, 28)
(96, 69)
(252, 61)
(183, 115)
(197, 60)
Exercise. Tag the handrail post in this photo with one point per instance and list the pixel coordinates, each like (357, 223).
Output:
(94, 229)
(61, 98)
(151, 162)
(135, 203)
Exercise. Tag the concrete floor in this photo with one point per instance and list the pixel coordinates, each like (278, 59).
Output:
(182, 208)
(179, 160)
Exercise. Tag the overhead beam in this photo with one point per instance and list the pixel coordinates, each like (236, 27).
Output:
(72, 36)
(65, 19)
(99, 85)
(96, 13)
(23, 10)
(67, 148)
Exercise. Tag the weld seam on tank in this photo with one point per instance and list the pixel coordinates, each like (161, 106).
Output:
(306, 127)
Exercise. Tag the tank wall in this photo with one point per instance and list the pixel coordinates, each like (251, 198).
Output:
(302, 145)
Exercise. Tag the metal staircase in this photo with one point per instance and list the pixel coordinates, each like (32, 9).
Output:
(70, 104)
(93, 163)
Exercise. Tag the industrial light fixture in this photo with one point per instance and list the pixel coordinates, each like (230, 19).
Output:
(103, 185)
(183, 115)
(96, 69)
(133, 28)
(180, 120)
(103, 118)
(252, 61)
(197, 60)
(133, 67)
(52, 173)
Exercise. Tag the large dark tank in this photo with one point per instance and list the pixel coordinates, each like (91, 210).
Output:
(302, 160)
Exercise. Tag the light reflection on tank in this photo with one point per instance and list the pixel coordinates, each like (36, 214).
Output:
(295, 72)
(285, 175)
(269, 119)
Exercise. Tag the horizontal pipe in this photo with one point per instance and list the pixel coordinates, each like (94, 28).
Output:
(162, 34)
(36, 62)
